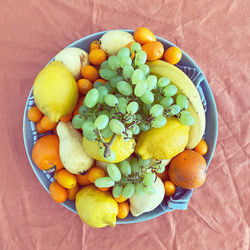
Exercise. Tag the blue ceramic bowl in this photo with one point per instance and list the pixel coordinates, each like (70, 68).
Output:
(182, 196)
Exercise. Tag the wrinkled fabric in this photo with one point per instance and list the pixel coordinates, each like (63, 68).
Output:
(216, 35)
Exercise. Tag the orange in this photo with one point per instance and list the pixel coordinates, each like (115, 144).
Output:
(78, 105)
(82, 179)
(120, 199)
(57, 192)
(129, 46)
(45, 153)
(100, 80)
(94, 45)
(201, 147)
(47, 124)
(97, 57)
(39, 128)
(172, 55)
(143, 35)
(154, 50)
(123, 210)
(188, 169)
(72, 192)
(89, 72)
(169, 188)
(67, 118)
(65, 178)
(84, 85)
(94, 173)
(34, 114)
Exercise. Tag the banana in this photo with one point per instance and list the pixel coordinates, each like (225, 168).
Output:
(186, 87)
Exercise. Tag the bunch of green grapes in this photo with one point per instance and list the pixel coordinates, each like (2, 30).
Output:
(131, 101)
(131, 176)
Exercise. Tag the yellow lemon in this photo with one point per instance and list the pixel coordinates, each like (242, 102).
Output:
(96, 208)
(122, 149)
(163, 143)
(55, 91)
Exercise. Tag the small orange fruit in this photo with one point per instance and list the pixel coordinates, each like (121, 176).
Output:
(123, 210)
(78, 105)
(103, 189)
(67, 118)
(94, 173)
(172, 55)
(129, 46)
(169, 188)
(82, 179)
(72, 192)
(47, 124)
(89, 72)
(84, 85)
(154, 50)
(143, 35)
(201, 147)
(34, 114)
(65, 178)
(100, 80)
(39, 128)
(120, 199)
(163, 176)
(57, 192)
(97, 57)
(94, 45)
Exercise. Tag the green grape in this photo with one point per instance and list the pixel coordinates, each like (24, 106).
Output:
(139, 189)
(146, 108)
(103, 91)
(151, 82)
(186, 118)
(163, 82)
(107, 74)
(170, 90)
(135, 129)
(135, 47)
(91, 98)
(166, 101)
(140, 57)
(140, 88)
(148, 97)
(110, 100)
(113, 82)
(145, 68)
(138, 117)
(98, 85)
(107, 132)
(135, 167)
(125, 61)
(111, 157)
(149, 179)
(174, 110)
(88, 130)
(83, 109)
(101, 121)
(116, 126)
(105, 65)
(128, 190)
(149, 190)
(144, 163)
(156, 110)
(132, 107)
(159, 122)
(144, 126)
(77, 121)
(104, 182)
(129, 118)
(127, 72)
(160, 168)
(114, 62)
(117, 191)
(125, 168)
(182, 101)
(114, 172)
(109, 88)
(137, 76)
(124, 88)
(129, 134)
(124, 52)
(122, 104)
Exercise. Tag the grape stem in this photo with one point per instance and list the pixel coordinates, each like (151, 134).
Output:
(107, 151)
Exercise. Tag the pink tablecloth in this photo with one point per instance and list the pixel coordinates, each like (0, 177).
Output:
(216, 34)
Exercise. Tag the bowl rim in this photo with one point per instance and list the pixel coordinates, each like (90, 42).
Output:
(213, 106)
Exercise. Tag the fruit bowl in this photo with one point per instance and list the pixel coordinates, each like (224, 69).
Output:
(182, 196)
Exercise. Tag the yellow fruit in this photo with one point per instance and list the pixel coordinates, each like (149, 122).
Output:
(96, 208)
(121, 148)
(163, 143)
(55, 91)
